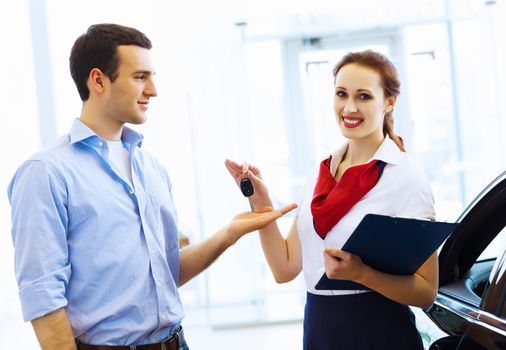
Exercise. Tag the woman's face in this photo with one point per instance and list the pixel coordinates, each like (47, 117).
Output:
(359, 102)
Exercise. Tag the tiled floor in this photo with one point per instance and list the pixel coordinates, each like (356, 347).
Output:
(266, 337)
(245, 327)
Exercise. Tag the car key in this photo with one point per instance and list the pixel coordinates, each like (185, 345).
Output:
(247, 187)
(247, 190)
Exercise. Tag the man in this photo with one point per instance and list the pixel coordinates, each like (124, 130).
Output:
(93, 222)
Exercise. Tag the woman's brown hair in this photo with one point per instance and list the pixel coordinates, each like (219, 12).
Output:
(391, 84)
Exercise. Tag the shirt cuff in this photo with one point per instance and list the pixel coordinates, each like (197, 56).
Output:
(40, 299)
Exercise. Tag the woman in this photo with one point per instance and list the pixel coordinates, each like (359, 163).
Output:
(371, 173)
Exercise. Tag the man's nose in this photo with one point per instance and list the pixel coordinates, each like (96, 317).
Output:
(150, 89)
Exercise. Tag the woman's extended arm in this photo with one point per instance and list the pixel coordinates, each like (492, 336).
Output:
(283, 255)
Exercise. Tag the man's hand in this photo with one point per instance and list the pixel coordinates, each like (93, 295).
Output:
(196, 257)
(252, 221)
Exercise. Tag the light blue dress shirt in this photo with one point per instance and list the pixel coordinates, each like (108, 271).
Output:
(85, 239)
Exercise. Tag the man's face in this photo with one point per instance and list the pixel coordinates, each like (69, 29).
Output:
(128, 96)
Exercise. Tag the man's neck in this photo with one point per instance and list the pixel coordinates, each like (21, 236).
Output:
(107, 128)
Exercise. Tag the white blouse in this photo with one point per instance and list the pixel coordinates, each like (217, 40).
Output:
(402, 191)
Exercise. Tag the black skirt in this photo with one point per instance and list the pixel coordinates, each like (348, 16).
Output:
(364, 321)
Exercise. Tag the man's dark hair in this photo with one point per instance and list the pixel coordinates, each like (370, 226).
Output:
(97, 48)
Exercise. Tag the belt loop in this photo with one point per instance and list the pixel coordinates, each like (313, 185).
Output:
(163, 346)
(180, 337)
(179, 342)
(133, 347)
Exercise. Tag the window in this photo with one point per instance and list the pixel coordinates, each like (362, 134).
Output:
(495, 248)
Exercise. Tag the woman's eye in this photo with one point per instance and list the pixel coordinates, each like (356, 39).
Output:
(364, 97)
(340, 93)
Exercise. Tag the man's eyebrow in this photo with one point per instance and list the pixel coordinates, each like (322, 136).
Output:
(143, 71)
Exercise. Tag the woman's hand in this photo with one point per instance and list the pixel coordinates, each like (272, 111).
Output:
(341, 265)
(252, 221)
(418, 289)
(260, 196)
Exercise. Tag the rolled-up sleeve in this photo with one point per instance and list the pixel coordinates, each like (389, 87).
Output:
(38, 198)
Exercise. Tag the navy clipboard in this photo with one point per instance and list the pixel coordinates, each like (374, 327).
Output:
(397, 246)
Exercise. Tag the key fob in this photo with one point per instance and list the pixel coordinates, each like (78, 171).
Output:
(246, 187)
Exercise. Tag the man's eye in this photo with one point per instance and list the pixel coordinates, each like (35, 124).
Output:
(141, 77)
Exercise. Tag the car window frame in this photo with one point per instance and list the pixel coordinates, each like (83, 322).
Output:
(463, 248)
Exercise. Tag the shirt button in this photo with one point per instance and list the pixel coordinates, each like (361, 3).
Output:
(130, 191)
(100, 144)
(163, 317)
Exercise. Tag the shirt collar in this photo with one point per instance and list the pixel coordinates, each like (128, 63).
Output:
(387, 152)
(80, 132)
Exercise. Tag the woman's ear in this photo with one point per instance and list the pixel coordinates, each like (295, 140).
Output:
(390, 104)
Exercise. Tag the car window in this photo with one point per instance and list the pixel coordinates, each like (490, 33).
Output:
(495, 247)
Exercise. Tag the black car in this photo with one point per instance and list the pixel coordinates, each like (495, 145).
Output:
(471, 302)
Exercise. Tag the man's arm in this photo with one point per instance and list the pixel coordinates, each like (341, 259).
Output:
(39, 220)
(197, 257)
(54, 332)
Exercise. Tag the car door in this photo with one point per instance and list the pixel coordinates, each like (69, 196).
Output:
(470, 305)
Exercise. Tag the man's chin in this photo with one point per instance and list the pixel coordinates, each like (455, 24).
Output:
(137, 121)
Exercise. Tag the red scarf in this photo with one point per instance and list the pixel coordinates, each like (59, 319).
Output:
(333, 199)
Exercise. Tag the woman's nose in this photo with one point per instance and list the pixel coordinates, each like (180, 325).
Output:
(349, 106)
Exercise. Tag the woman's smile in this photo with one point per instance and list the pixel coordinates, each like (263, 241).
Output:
(352, 122)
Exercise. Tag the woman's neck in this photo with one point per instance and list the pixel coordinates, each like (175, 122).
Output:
(362, 150)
